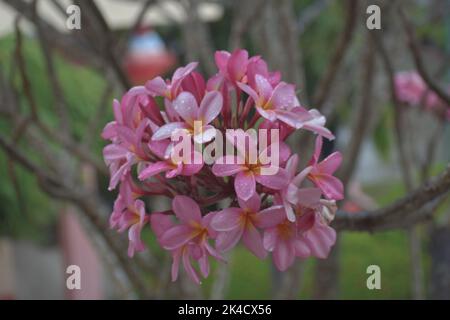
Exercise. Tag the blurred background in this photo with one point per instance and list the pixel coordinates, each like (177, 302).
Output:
(56, 90)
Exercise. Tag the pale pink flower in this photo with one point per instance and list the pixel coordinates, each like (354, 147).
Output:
(124, 153)
(233, 66)
(274, 103)
(170, 89)
(236, 223)
(190, 239)
(195, 84)
(292, 195)
(321, 173)
(409, 87)
(185, 167)
(186, 106)
(133, 218)
(247, 173)
(307, 236)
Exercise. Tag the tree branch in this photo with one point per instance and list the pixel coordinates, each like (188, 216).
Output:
(417, 56)
(411, 209)
(326, 82)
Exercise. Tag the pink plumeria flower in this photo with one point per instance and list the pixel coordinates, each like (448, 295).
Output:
(315, 235)
(195, 84)
(190, 239)
(321, 173)
(184, 167)
(274, 103)
(233, 66)
(124, 153)
(257, 66)
(409, 87)
(308, 236)
(247, 173)
(170, 89)
(236, 223)
(160, 223)
(128, 193)
(126, 112)
(134, 219)
(186, 106)
(238, 67)
(292, 195)
(312, 120)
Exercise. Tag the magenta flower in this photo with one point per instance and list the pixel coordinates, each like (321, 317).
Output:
(308, 236)
(274, 103)
(236, 223)
(321, 173)
(186, 106)
(412, 90)
(263, 177)
(131, 217)
(170, 89)
(190, 238)
(121, 156)
(409, 87)
(292, 195)
(247, 173)
(167, 164)
(233, 66)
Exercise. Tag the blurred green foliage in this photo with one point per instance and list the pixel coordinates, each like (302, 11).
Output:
(25, 211)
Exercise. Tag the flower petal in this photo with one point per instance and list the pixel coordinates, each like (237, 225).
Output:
(283, 96)
(176, 256)
(245, 185)
(186, 209)
(227, 219)
(227, 166)
(270, 217)
(264, 87)
(206, 135)
(331, 186)
(186, 106)
(166, 130)
(276, 181)
(191, 169)
(283, 255)
(228, 240)
(270, 239)
(176, 237)
(253, 204)
(157, 86)
(210, 107)
(237, 64)
(253, 241)
(221, 59)
(330, 164)
(154, 168)
(188, 267)
(301, 249)
(160, 223)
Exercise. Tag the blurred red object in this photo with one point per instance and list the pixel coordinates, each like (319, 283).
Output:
(147, 57)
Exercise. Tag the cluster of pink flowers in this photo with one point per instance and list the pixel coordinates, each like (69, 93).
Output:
(215, 206)
(412, 90)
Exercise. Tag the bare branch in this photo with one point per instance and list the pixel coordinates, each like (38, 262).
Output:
(326, 83)
(415, 50)
(365, 112)
(411, 209)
